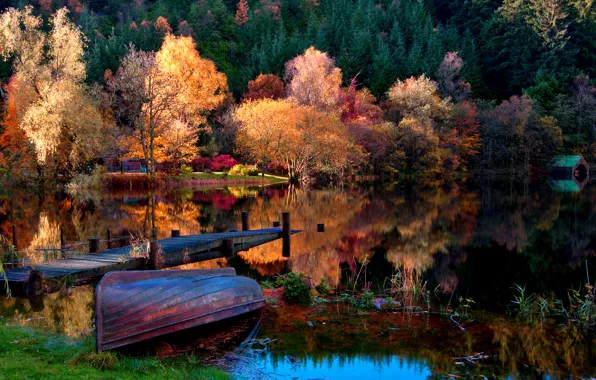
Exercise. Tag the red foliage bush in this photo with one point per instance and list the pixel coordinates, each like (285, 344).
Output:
(223, 162)
(201, 164)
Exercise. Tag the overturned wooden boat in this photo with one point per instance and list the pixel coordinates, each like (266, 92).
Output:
(132, 306)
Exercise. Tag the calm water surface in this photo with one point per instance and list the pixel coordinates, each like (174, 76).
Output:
(462, 242)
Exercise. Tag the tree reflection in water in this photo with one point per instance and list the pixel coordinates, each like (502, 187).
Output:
(470, 242)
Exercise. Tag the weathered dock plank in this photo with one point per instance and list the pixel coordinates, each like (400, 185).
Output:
(174, 251)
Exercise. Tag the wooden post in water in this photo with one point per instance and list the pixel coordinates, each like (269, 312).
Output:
(245, 226)
(320, 227)
(154, 255)
(109, 239)
(286, 232)
(62, 239)
(276, 223)
(94, 245)
(15, 237)
(175, 233)
(227, 247)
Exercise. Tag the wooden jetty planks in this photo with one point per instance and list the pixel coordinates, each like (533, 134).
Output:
(175, 251)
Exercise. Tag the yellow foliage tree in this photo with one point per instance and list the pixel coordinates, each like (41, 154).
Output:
(59, 116)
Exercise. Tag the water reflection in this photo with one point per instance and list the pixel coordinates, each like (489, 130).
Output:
(339, 344)
(69, 312)
(457, 237)
(474, 242)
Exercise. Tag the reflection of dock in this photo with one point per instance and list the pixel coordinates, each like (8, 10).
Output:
(174, 251)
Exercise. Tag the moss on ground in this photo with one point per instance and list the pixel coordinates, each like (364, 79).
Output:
(29, 354)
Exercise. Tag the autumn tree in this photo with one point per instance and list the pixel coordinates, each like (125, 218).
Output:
(178, 142)
(242, 12)
(516, 137)
(59, 117)
(449, 80)
(417, 98)
(265, 86)
(307, 140)
(417, 109)
(17, 154)
(151, 91)
(313, 79)
(358, 106)
(459, 136)
(263, 129)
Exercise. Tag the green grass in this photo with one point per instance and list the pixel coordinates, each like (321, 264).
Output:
(28, 354)
(235, 177)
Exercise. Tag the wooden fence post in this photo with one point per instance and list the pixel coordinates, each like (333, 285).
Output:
(154, 255)
(109, 239)
(94, 245)
(245, 226)
(62, 239)
(15, 237)
(227, 247)
(286, 232)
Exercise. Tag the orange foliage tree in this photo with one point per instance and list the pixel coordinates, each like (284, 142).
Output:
(16, 152)
(460, 136)
(265, 86)
(151, 91)
(304, 138)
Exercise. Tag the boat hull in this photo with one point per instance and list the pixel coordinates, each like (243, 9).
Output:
(132, 306)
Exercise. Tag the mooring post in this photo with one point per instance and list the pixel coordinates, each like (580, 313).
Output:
(154, 254)
(285, 219)
(227, 247)
(94, 245)
(154, 233)
(175, 233)
(15, 237)
(62, 240)
(245, 226)
(109, 239)
(321, 227)
(276, 223)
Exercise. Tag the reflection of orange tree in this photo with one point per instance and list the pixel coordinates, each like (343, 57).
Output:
(313, 253)
(165, 215)
(429, 224)
(558, 350)
(68, 313)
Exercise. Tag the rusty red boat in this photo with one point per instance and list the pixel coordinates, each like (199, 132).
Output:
(132, 306)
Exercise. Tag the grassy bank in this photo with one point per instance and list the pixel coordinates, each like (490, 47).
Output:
(193, 180)
(29, 354)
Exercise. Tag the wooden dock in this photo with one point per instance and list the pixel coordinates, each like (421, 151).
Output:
(53, 275)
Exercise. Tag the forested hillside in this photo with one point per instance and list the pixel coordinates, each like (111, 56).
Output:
(443, 86)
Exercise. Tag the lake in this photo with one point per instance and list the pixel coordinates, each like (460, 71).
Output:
(466, 242)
